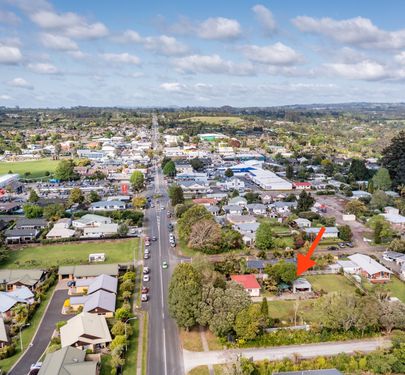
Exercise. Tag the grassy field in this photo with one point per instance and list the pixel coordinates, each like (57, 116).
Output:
(37, 168)
(217, 120)
(200, 370)
(331, 283)
(191, 340)
(27, 334)
(395, 286)
(117, 251)
(131, 358)
(284, 310)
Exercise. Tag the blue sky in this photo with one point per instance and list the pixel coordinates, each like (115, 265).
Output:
(210, 53)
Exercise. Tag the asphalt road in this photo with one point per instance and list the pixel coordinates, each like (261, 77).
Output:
(194, 359)
(164, 350)
(42, 339)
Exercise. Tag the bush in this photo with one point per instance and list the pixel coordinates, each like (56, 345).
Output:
(7, 351)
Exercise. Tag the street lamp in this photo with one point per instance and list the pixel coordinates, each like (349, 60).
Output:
(20, 328)
(133, 318)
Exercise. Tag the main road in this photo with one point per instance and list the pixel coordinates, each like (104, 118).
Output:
(165, 355)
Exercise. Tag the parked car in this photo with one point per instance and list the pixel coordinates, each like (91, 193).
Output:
(146, 278)
(341, 244)
(349, 244)
(146, 270)
(144, 298)
(173, 244)
(154, 238)
(71, 283)
(332, 248)
(165, 265)
(146, 251)
(146, 256)
(144, 290)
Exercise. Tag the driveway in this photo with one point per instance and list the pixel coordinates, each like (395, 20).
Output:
(194, 359)
(44, 334)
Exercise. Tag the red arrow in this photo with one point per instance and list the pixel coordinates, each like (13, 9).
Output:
(304, 261)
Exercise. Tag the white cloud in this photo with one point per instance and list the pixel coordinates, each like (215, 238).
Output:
(172, 86)
(70, 24)
(265, 18)
(211, 64)
(366, 70)
(9, 18)
(9, 54)
(5, 97)
(219, 28)
(43, 68)
(400, 58)
(163, 44)
(78, 55)
(358, 31)
(124, 58)
(275, 54)
(58, 42)
(20, 82)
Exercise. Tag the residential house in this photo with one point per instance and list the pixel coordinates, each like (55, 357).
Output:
(207, 202)
(17, 278)
(349, 267)
(191, 188)
(360, 194)
(107, 206)
(214, 210)
(37, 224)
(302, 223)
(85, 331)
(393, 256)
(4, 337)
(61, 229)
(249, 283)
(86, 271)
(104, 230)
(330, 232)
(301, 285)
(17, 236)
(91, 220)
(9, 299)
(370, 269)
(68, 361)
(266, 198)
(90, 285)
(393, 216)
(257, 208)
(282, 207)
(240, 219)
(233, 209)
(234, 183)
(100, 302)
(9, 207)
(239, 201)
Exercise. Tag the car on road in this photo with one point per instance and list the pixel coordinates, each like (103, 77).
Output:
(349, 244)
(146, 251)
(165, 265)
(146, 270)
(154, 238)
(146, 256)
(146, 278)
(144, 298)
(169, 214)
(144, 290)
(332, 248)
(170, 227)
(341, 244)
(162, 208)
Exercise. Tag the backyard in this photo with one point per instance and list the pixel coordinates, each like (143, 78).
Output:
(36, 168)
(117, 251)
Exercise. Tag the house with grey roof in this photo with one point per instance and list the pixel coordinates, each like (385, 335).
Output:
(93, 284)
(18, 236)
(9, 299)
(91, 220)
(257, 208)
(86, 271)
(100, 302)
(15, 279)
(68, 361)
(233, 209)
(103, 230)
(330, 232)
(108, 206)
(301, 285)
(4, 337)
(370, 269)
(86, 331)
(25, 223)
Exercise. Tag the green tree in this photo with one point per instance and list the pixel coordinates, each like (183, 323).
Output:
(381, 228)
(305, 201)
(4, 253)
(123, 313)
(176, 195)
(264, 236)
(197, 164)
(193, 215)
(76, 196)
(356, 207)
(170, 169)
(184, 295)
(137, 180)
(249, 323)
(380, 199)
(122, 230)
(65, 170)
(382, 180)
(359, 170)
(138, 202)
(289, 171)
(397, 245)
(32, 211)
(33, 197)
(282, 272)
(54, 211)
(345, 233)
(93, 196)
(264, 310)
(229, 173)
(118, 329)
(394, 159)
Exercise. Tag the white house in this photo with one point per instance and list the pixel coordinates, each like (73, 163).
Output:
(240, 201)
(348, 266)
(303, 223)
(233, 209)
(257, 208)
(103, 230)
(235, 184)
(249, 283)
(375, 272)
(330, 232)
(91, 220)
(107, 206)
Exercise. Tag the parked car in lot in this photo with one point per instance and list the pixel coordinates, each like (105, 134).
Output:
(332, 248)
(349, 244)
(341, 244)
(146, 278)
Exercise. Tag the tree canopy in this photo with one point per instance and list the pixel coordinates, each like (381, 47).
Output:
(137, 180)
(394, 159)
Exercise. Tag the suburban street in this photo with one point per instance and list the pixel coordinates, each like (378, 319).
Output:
(43, 337)
(194, 359)
(164, 351)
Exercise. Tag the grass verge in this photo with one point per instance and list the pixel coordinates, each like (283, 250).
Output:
(145, 344)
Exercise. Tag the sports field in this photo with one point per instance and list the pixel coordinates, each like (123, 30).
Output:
(36, 168)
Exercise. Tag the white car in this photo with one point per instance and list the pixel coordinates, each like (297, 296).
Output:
(146, 251)
(146, 270)
(146, 278)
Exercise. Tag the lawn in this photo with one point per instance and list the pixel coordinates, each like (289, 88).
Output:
(27, 334)
(331, 283)
(284, 310)
(213, 341)
(200, 370)
(191, 340)
(117, 251)
(217, 120)
(37, 168)
(395, 286)
(131, 356)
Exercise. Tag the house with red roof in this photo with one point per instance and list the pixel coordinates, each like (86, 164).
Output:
(249, 283)
(302, 185)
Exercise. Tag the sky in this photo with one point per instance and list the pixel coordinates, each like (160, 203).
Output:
(200, 53)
